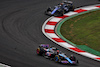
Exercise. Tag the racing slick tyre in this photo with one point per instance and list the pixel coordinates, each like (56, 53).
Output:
(38, 51)
(48, 11)
(73, 58)
(71, 8)
(56, 58)
(45, 12)
(77, 62)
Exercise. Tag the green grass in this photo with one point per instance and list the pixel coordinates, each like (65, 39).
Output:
(83, 30)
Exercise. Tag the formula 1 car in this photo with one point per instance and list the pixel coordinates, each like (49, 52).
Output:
(62, 58)
(53, 53)
(60, 9)
(46, 51)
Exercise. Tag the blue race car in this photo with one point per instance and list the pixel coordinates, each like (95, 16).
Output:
(62, 58)
(53, 53)
(60, 9)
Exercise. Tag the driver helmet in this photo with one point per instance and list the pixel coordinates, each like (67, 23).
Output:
(53, 48)
(60, 52)
(65, 1)
(70, 2)
(72, 56)
(46, 47)
(57, 51)
(62, 4)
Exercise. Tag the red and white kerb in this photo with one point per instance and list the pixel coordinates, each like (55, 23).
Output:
(49, 31)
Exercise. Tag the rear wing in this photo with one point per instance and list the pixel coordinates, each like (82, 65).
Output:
(44, 45)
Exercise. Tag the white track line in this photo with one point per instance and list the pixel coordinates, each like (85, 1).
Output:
(3, 65)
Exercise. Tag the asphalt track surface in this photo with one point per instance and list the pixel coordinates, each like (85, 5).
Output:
(20, 33)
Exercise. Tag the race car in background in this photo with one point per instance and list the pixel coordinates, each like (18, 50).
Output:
(60, 9)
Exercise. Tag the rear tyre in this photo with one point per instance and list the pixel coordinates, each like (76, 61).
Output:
(56, 58)
(71, 8)
(38, 51)
(77, 62)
